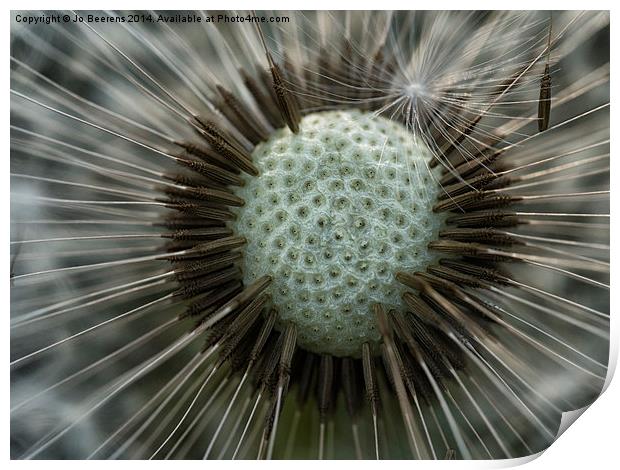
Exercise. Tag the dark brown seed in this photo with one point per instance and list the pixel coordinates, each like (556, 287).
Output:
(476, 200)
(544, 101)
(208, 155)
(202, 210)
(287, 102)
(262, 337)
(266, 102)
(212, 172)
(202, 193)
(485, 219)
(239, 300)
(486, 236)
(194, 287)
(211, 300)
(186, 270)
(473, 250)
(484, 181)
(175, 222)
(241, 325)
(450, 275)
(224, 144)
(241, 116)
(470, 167)
(492, 275)
(199, 234)
(202, 250)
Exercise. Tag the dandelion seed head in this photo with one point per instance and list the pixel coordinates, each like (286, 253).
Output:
(337, 210)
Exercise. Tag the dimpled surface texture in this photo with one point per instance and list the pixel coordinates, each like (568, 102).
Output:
(336, 211)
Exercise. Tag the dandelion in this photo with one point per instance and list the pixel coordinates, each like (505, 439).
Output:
(325, 235)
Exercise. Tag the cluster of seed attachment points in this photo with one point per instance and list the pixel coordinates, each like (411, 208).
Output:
(338, 208)
(410, 346)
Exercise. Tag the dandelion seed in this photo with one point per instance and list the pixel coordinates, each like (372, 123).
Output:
(544, 101)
